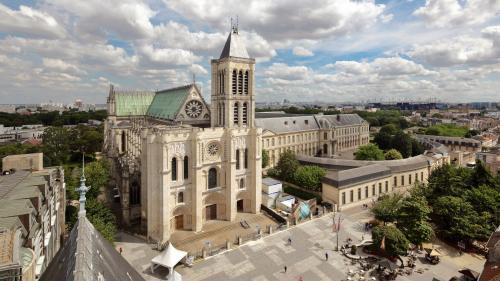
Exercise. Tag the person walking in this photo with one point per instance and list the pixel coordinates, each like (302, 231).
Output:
(326, 256)
(285, 268)
(290, 241)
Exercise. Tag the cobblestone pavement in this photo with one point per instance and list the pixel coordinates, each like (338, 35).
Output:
(265, 259)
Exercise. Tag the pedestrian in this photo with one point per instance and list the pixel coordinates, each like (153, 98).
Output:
(326, 256)
(285, 268)
(121, 250)
(289, 240)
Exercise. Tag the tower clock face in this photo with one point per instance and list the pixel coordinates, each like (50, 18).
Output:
(193, 108)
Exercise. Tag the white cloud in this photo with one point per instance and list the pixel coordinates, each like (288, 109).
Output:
(29, 21)
(444, 13)
(127, 19)
(166, 56)
(284, 20)
(461, 50)
(393, 66)
(60, 65)
(302, 52)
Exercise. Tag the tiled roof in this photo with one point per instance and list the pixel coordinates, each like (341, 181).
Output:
(134, 103)
(346, 178)
(400, 165)
(86, 255)
(288, 124)
(166, 103)
(329, 121)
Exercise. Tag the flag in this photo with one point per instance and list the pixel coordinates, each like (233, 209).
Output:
(382, 243)
(300, 277)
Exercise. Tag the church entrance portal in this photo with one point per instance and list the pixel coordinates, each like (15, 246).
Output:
(239, 205)
(211, 212)
(179, 222)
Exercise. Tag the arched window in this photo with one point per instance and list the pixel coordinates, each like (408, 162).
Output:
(135, 194)
(212, 178)
(242, 183)
(240, 82)
(246, 82)
(325, 148)
(235, 79)
(223, 78)
(235, 112)
(223, 114)
(180, 197)
(174, 169)
(124, 142)
(245, 110)
(237, 159)
(220, 114)
(246, 158)
(186, 167)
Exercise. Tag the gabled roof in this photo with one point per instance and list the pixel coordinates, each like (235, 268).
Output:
(234, 47)
(345, 178)
(86, 255)
(134, 103)
(288, 124)
(167, 103)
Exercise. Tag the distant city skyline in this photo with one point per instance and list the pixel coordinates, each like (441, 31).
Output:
(323, 50)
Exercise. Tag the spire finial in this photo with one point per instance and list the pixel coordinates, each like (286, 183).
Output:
(82, 190)
(234, 26)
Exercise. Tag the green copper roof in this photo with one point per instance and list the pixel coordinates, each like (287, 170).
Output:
(167, 103)
(133, 103)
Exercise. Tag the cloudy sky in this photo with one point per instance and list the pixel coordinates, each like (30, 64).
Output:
(315, 50)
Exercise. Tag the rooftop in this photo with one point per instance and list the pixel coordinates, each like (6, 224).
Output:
(234, 47)
(86, 255)
(346, 178)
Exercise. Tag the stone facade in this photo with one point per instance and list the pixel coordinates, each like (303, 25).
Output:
(179, 162)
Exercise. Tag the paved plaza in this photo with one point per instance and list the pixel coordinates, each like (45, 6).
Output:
(265, 259)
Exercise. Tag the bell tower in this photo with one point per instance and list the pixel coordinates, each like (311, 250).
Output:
(233, 98)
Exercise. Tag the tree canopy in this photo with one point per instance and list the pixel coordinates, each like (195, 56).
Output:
(309, 177)
(389, 239)
(386, 207)
(464, 202)
(393, 154)
(287, 166)
(369, 152)
(265, 158)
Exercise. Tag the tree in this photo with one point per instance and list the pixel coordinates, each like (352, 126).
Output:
(432, 131)
(265, 158)
(309, 177)
(402, 143)
(56, 145)
(416, 148)
(386, 207)
(102, 218)
(393, 154)
(287, 165)
(412, 219)
(394, 241)
(97, 175)
(458, 220)
(383, 140)
(369, 152)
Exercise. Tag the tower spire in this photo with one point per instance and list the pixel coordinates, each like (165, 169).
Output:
(82, 190)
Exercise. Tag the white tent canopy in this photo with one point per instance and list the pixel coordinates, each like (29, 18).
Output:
(168, 258)
(175, 276)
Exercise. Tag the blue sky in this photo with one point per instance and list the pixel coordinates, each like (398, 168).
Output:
(318, 50)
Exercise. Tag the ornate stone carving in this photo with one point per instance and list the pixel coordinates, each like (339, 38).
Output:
(239, 143)
(178, 149)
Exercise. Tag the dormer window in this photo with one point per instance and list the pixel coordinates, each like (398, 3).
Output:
(293, 121)
(286, 122)
(306, 122)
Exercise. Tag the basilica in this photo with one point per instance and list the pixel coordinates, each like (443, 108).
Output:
(179, 162)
